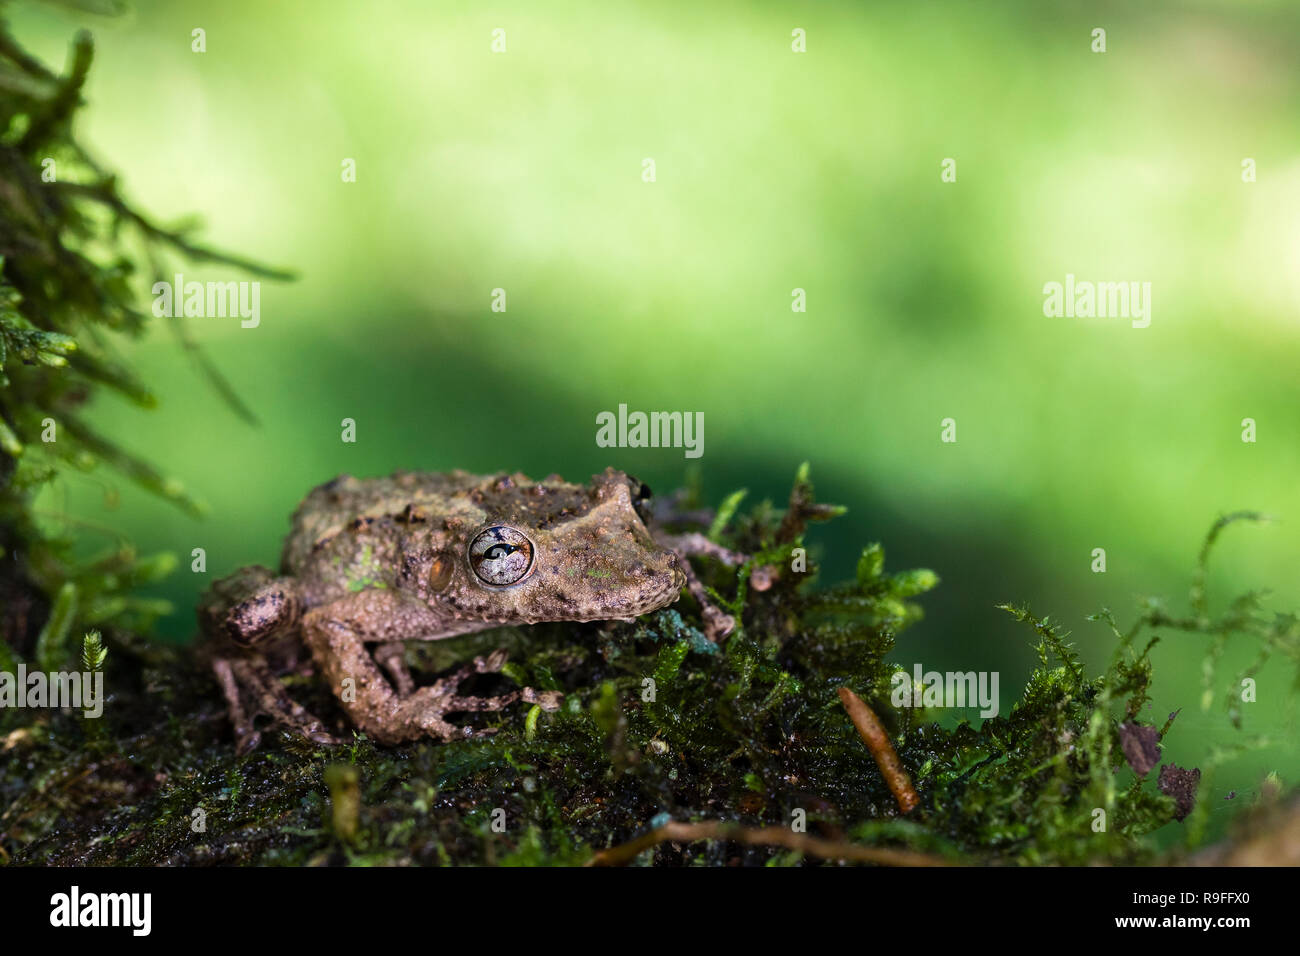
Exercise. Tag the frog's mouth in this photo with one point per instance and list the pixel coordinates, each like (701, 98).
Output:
(661, 596)
(655, 594)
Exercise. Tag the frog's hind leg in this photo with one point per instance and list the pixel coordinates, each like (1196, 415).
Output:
(267, 698)
(246, 736)
(250, 607)
(274, 701)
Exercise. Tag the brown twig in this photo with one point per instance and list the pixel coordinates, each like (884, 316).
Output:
(675, 832)
(877, 741)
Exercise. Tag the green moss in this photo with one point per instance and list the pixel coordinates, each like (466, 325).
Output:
(75, 257)
(657, 724)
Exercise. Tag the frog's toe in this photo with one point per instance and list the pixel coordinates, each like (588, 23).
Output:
(304, 724)
(232, 676)
(493, 663)
(392, 658)
(546, 699)
(247, 741)
(717, 623)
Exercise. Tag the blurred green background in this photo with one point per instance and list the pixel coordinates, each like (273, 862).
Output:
(775, 170)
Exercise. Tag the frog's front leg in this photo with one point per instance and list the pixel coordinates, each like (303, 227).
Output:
(717, 623)
(392, 658)
(337, 634)
(694, 543)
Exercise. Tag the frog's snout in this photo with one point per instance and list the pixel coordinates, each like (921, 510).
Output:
(664, 577)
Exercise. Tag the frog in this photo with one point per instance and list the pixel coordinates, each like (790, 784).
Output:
(370, 564)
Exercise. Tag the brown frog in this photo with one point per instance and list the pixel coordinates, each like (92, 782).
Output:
(420, 556)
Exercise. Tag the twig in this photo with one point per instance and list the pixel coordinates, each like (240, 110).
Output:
(105, 194)
(877, 741)
(675, 832)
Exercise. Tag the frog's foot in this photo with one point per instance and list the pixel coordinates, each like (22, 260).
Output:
(431, 705)
(448, 690)
(717, 623)
(246, 678)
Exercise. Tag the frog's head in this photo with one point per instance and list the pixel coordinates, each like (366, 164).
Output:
(554, 551)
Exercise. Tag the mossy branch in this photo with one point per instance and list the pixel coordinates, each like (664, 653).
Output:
(73, 252)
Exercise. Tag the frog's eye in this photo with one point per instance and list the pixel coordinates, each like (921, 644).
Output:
(501, 555)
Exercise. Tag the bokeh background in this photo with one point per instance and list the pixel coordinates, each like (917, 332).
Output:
(775, 170)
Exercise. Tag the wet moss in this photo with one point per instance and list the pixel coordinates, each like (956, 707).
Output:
(657, 724)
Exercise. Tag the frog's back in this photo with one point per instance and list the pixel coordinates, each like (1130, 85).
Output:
(351, 504)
